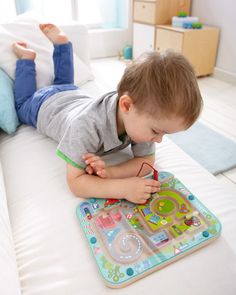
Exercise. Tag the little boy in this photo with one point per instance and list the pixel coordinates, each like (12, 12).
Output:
(157, 95)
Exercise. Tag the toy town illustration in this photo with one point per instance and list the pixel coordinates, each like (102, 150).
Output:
(130, 241)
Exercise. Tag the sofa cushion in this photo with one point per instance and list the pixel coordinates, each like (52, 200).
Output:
(8, 117)
(52, 252)
(25, 28)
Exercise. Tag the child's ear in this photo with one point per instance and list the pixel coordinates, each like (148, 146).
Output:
(125, 103)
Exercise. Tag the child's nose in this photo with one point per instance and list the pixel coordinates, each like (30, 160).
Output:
(158, 138)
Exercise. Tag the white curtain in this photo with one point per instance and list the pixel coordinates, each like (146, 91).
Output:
(7, 10)
(98, 13)
(94, 13)
(53, 10)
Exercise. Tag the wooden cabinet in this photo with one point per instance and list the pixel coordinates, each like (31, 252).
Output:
(152, 31)
(148, 14)
(157, 12)
(199, 46)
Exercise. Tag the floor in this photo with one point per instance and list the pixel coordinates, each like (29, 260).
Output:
(219, 113)
(219, 97)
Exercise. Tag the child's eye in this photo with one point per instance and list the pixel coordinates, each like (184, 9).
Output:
(155, 132)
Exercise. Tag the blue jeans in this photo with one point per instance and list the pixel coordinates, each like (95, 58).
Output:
(28, 99)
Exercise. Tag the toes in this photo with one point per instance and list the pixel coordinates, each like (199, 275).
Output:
(43, 26)
(23, 44)
(46, 27)
(19, 44)
(53, 33)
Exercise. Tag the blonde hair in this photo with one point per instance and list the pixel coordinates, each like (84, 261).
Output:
(163, 83)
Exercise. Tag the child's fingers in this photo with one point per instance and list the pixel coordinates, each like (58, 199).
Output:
(88, 155)
(102, 173)
(144, 199)
(95, 165)
(152, 182)
(99, 164)
(89, 169)
(92, 159)
(151, 189)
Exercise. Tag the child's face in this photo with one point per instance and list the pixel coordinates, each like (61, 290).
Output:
(143, 128)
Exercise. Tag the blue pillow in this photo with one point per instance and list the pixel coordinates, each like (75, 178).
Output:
(8, 117)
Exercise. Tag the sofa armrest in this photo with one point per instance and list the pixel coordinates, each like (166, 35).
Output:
(9, 281)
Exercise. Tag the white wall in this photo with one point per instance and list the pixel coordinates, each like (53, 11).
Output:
(220, 13)
(106, 43)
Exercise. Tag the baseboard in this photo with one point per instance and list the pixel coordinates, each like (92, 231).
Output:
(108, 42)
(226, 76)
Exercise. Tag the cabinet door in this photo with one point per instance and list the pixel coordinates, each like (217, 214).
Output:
(167, 39)
(158, 12)
(200, 48)
(143, 38)
(145, 12)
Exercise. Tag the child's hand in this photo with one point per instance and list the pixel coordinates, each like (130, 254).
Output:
(138, 190)
(95, 165)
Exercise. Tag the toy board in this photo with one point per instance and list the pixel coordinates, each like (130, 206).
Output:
(129, 241)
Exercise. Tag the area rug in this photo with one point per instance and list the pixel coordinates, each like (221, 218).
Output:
(212, 150)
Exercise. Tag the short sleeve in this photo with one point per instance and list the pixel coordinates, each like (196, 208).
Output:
(143, 149)
(81, 137)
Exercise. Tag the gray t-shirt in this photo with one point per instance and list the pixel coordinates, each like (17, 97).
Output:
(82, 124)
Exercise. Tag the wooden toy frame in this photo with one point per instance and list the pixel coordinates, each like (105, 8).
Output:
(130, 241)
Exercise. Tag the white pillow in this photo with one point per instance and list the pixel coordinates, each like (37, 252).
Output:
(25, 28)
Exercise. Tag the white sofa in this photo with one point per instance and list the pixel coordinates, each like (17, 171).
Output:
(43, 250)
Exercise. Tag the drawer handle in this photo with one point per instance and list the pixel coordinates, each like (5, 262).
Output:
(144, 6)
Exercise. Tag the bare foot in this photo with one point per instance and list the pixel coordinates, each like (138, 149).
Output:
(22, 52)
(54, 34)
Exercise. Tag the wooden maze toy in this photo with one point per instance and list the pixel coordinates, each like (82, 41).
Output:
(129, 241)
